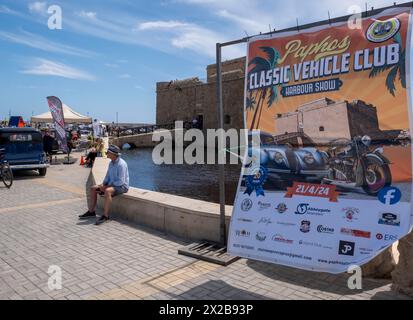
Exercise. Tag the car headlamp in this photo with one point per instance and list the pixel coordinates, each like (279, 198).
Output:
(309, 158)
(278, 157)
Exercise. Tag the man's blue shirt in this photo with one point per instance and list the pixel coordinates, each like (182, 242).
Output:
(118, 174)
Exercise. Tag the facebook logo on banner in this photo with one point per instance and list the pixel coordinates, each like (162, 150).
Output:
(390, 196)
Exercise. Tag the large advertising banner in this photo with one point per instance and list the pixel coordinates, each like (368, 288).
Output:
(332, 185)
(56, 109)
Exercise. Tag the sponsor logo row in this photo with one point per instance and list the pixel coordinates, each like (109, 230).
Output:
(350, 214)
(306, 227)
(345, 248)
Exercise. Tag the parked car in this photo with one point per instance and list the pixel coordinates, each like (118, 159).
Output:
(84, 134)
(24, 149)
(286, 163)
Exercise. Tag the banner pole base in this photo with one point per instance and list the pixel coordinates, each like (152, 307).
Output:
(210, 252)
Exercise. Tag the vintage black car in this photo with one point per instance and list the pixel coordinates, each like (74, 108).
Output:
(24, 149)
(287, 163)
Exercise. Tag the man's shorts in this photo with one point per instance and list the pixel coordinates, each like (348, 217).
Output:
(120, 190)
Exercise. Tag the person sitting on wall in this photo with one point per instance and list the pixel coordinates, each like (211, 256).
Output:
(100, 147)
(116, 182)
(91, 157)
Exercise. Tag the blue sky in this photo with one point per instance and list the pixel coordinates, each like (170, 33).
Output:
(110, 54)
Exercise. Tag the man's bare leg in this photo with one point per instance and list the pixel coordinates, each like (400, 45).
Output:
(94, 196)
(108, 200)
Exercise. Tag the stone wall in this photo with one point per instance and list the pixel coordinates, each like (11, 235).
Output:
(323, 120)
(327, 123)
(235, 67)
(185, 100)
(363, 119)
(182, 217)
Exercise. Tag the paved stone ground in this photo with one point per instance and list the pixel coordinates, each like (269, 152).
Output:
(39, 228)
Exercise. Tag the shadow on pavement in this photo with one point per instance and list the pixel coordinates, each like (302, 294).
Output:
(386, 296)
(336, 284)
(26, 175)
(148, 230)
(88, 222)
(61, 161)
(217, 290)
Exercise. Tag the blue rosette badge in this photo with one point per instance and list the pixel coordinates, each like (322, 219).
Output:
(255, 181)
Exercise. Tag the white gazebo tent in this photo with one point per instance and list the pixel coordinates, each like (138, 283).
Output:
(70, 116)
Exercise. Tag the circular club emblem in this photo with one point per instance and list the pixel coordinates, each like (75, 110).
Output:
(350, 213)
(380, 31)
(379, 236)
(281, 208)
(246, 205)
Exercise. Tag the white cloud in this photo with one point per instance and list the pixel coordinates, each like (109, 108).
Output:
(186, 36)
(139, 87)
(220, 21)
(87, 14)
(30, 87)
(44, 67)
(153, 25)
(256, 16)
(246, 24)
(111, 65)
(5, 9)
(34, 41)
(38, 7)
(125, 76)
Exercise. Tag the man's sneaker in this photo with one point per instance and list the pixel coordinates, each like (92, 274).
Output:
(88, 215)
(102, 220)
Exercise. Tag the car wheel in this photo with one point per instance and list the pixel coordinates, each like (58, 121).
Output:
(42, 172)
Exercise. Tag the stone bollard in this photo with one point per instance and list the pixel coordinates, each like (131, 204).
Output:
(403, 274)
(380, 267)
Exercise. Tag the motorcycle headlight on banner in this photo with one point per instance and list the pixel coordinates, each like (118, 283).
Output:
(336, 181)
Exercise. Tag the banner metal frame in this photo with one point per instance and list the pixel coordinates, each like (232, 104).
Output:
(220, 109)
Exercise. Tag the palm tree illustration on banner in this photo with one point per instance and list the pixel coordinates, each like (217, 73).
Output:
(261, 64)
(396, 69)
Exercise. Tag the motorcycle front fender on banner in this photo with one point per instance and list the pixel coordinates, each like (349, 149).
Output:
(335, 101)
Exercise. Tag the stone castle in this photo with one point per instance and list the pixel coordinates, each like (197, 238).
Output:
(188, 99)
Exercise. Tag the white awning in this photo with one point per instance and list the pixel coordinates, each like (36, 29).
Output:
(70, 116)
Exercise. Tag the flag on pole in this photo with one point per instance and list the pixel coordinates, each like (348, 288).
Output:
(56, 109)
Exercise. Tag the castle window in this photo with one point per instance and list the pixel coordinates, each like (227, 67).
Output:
(227, 119)
(322, 129)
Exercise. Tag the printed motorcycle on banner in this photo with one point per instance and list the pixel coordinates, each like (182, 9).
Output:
(333, 183)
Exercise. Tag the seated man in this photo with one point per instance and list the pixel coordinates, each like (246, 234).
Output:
(91, 157)
(115, 183)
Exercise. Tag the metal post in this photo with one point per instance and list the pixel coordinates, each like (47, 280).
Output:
(220, 113)
(117, 123)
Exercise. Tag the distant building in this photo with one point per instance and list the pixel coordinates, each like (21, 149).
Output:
(324, 120)
(189, 99)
